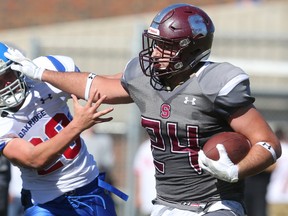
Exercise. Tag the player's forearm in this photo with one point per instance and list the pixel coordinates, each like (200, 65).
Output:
(49, 151)
(72, 82)
(257, 160)
(76, 83)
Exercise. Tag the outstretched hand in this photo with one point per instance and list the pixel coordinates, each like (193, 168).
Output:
(223, 168)
(87, 115)
(23, 64)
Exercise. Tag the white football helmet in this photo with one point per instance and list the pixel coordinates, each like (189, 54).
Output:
(12, 85)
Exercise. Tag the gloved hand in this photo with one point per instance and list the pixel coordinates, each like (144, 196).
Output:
(24, 65)
(223, 168)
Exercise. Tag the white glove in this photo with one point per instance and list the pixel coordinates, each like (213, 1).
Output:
(24, 65)
(223, 168)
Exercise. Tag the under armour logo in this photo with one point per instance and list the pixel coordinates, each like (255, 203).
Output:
(44, 99)
(186, 101)
(91, 76)
(266, 145)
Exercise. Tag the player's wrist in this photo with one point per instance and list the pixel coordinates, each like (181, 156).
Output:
(39, 73)
(234, 174)
(89, 81)
(75, 127)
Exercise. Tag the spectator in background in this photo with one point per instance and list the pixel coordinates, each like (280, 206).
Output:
(277, 193)
(15, 207)
(5, 175)
(144, 179)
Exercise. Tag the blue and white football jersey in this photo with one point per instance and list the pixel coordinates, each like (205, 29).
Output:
(44, 114)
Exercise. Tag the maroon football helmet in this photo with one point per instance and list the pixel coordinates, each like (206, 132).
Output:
(184, 31)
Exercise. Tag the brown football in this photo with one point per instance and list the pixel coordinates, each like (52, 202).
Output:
(237, 146)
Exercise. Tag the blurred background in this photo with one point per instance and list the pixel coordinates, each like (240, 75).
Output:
(101, 36)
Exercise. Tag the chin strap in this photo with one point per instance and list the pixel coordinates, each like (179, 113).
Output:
(202, 56)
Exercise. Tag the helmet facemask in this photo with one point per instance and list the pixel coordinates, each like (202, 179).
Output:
(12, 84)
(14, 91)
(178, 55)
(165, 63)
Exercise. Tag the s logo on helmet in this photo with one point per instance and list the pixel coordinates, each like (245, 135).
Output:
(165, 111)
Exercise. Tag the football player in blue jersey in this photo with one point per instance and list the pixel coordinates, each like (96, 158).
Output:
(39, 135)
(184, 99)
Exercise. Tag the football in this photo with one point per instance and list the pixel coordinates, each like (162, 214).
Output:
(237, 146)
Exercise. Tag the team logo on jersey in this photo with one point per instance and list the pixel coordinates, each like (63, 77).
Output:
(192, 101)
(165, 111)
(44, 99)
(39, 115)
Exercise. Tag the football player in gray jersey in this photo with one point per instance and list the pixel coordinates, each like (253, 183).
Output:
(184, 100)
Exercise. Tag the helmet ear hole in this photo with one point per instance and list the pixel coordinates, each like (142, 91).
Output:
(184, 43)
(178, 65)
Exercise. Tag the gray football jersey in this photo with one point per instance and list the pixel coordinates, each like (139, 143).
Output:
(179, 122)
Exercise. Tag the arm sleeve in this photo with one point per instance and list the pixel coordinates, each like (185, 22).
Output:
(227, 87)
(228, 103)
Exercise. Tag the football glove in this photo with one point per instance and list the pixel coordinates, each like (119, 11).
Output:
(223, 169)
(24, 65)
